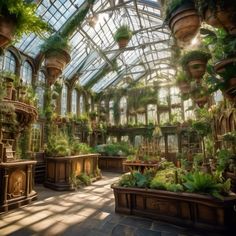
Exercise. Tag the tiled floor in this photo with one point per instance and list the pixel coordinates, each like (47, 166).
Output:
(87, 212)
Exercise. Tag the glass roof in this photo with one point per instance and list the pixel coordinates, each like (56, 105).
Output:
(147, 55)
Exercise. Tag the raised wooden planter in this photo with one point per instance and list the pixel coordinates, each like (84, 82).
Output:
(185, 209)
(140, 166)
(59, 170)
(112, 163)
(16, 184)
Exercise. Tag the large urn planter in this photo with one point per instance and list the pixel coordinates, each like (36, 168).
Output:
(185, 209)
(59, 170)
(55, 62)
(184, 22)
(7, 30)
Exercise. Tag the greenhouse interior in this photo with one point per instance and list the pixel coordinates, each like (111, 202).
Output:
(118, 117)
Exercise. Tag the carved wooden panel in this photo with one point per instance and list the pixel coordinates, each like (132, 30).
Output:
(17, 184)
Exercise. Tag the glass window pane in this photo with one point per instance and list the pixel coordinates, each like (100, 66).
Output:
(64, 100)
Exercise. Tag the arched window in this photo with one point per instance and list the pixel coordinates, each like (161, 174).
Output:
(64, 99)
(10, 62)
(81, 104)
(111, 112)
(74, 98)
(40, 90)
(26, 73)
(123, 110)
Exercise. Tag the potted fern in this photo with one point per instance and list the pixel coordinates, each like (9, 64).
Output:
(16, 18)
(123, 35)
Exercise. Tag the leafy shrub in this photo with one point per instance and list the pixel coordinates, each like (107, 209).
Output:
(200, 182)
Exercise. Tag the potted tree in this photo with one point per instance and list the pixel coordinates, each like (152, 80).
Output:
(123, 35)
(16, 18)
(194, 63)
(182, 18)
(218, 13)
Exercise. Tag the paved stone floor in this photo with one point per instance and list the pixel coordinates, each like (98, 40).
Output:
(86, 212)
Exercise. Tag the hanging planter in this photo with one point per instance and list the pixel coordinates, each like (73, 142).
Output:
(55, 62)
(18, 19)
(183, 19)
(201, 101)
(194, 63)
(123, 35)
(218, 13)
(227, 70)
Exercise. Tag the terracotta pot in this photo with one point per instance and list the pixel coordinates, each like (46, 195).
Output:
(221, 19)
(184, 23)
(7, 30)
(197, 68)
(201, 101)
(55, 63)
(123, 43)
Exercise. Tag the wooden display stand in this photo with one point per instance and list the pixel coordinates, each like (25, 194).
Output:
(16, 175)
(59, 170)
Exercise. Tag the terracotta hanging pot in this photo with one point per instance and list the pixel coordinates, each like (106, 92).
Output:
(185, 22)
(7, 30)
(122, 43)
(197, 68)
(221, 67)
(55, 62)
(222, 18)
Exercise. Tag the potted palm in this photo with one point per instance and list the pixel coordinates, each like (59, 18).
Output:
(16, 18)
(218, 13)
(123, 35)
(182, 18)
(194, 63)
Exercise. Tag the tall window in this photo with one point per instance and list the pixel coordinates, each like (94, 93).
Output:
(74, 98)
(123, 110)
(81, 104)
(10, 62)
(188, 111)
(40, 90)
(26, 73)
(64, 99)
(89, 100)
(218, 96)
(163, 96)
(141, 118)
(152, 113)
(175, 95)
(111, 112)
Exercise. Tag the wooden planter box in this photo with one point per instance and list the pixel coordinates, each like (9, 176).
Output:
(59, 170)
(16, 184)
(185, 209)
(112, 163)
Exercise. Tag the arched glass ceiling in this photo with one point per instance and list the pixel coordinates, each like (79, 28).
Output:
(93, 48)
